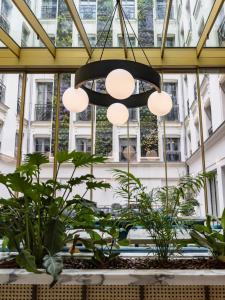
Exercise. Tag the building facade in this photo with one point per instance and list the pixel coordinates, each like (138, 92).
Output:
(146, 135)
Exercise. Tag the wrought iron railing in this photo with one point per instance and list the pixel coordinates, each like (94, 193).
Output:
(4, 23)
(43, 112)
(2, 92)
(173, 156)
(48, 11)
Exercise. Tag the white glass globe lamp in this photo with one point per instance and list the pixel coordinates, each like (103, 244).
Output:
(117, 114)
(160, 103)
(120, 84)
(75, 100)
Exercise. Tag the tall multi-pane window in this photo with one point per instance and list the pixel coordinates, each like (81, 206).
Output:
(91, 38)
(49, 9)
(25, 36)
(173, 149)
(42, 144)
(43, 107)
(6, 8)
(130, 42)
(161, 10)
(84, 115)
(208, 118)
(213, 195)
(19, 93)
(83, 145)
(170, 41)
(171, 89)
(87, 9)
(2, 89)
(129, 8)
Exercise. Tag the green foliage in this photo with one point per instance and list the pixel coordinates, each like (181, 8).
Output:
(53, 265)
(213, 239)
(103, 242)
(33, 221)
(159, 210)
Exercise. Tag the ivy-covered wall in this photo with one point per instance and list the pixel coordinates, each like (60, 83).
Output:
(145, 23)
(148, 133)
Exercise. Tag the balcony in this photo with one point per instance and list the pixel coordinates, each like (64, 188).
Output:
(48, 11)
(43, 112)
(2, 92)
(173, 156)
(4, 23)
(174, 114)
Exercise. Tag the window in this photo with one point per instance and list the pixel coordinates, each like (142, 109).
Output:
(16, 144)
(133, 114)
(25, 36)
(197, 133)
(1, 126)
(6, 8)
(128, 152)
(208, 117)
(197, 8)
(131, 40)
(213, 195)
(84, 115)
(88, 10)
(19, 93)
(171, 89)
(170, 41)
(129, 8)
(43, 107)
(49, 9)
(221, 33)
(2, 91)
(42, 145)
(161, 10)
(201, 27)
(173, 149)
(83, 145)
(92, 40)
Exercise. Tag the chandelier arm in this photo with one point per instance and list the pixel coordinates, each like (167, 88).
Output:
(139, 43)
(99, 38)
(108, 31)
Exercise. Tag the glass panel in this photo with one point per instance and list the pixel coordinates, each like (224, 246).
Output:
(39, 108)
(187, 22)
(9, 124)
(217, 34)
(19, 30)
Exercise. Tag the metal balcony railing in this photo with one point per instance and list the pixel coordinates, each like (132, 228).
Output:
(48, 11)
(173, 156)
(2, 92)
(174, 114)
(43, 112)
(4, 23)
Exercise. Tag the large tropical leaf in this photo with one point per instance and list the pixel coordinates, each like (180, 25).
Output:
(93, 185)
(54, 236)
(53, 265)
(81, 159)
(36, 159)
(27, 261)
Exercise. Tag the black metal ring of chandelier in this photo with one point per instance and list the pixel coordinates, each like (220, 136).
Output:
(100, 69)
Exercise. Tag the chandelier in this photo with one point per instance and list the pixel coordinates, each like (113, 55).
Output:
(120, 80)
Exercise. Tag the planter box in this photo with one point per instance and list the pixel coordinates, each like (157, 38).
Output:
(117, 277)
(114, 285)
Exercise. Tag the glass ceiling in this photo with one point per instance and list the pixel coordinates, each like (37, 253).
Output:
(147, 18)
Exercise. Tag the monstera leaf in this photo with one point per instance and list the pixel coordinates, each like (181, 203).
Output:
(54, 237)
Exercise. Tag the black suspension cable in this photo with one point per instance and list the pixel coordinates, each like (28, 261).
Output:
(99, 38)
(136, 37)
(108, 31)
